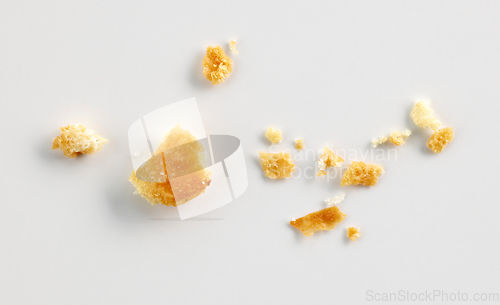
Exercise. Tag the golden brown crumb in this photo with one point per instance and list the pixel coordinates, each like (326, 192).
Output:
(77, 139)
(325, 219)
(276, 166)
(299, 144)
(216, 65)
(328, 159)
(179, 150)
(232, 46)
(362, 173)
(423, 116)
(440, 138)
(376, 142)
(353, 233)
(398, 138)
(273, 135)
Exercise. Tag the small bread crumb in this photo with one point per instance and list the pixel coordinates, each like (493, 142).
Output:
(232, 46)
(216, 65)
(273, 135)
(335, 200)
(325, 219)
(398, 138)
(376, 142)
(361, 173)
(353, 233)
(299, 144)
(440, 138)
(78, 139)
(423, 116)
(277, 165)
(327, 159)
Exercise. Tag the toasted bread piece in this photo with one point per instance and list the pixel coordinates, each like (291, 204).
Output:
(216, 65)
(325, 219)
(276, 165)
(398, 138)
(361, 173)
(440, 138)
(78, 139)
(353, 233)
(274, 135)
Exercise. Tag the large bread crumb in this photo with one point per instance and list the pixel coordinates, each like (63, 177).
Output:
(423, 116)
(361, 173)
(274, 135)
(353, 233)
(398, 138)
(78, 139)
(328, 159)
(325, 219)
(440, 138)
(216, 65)
(276, 165)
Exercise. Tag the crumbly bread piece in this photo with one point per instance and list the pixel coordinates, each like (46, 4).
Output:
(335, 200)
(361, 173)
(423, 116)
(376, 142)
(325, 219)
(78, 139)
(327, 159)
(398, 138)
(180, 150)
(274, 135)
(276, 166)
(216, 65)
(299, 144)
(353, 233)
(232, 46)
(440, 138)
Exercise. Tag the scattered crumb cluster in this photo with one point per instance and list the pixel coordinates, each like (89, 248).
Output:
(376, 142)
(334, 201)
(361, 173)
(78, 139)
(328, 159)
(353, 233)
(216, 65)
(325, 219)
(299, 144)
(276, 165)
(398, 138)
(274, 135)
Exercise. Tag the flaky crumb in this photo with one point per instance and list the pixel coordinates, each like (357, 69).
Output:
(353, 233)
(335, 200)
(361, 173)
(277, 165)
(440, 138)
(274, 135)
(299, 144)
(376, 142)
(327, 159)
(398, 138)
(423, 116)
(325, 219)
(232, 46)
(216, 65)
(77, 139)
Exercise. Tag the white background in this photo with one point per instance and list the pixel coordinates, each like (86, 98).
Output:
(338, 72)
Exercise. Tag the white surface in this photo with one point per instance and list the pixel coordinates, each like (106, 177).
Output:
(339, 72)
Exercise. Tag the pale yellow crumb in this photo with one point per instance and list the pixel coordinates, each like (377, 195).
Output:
(361, 173)
(325, 219)
(398, 138)
(334, 201)
(353, 233)
(328, 159)
(423, 116)
(376, 142)
(216, 65)
(274, 135)
(276, 165)
(299, 144)
(440, 138)
(232, 46)
(78, 139)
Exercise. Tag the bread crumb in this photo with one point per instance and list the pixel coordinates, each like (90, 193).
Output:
(299, 144)
(276, 165)
(335, 200)
(398, 138)
(274, 135)
(376, 142)
(353, 233)
(327, 159)
(181, 150)
(423, 116)
(361, 173)
(216, 65)
(232, 46)
(77, 139)
(325, 219)
(440, 138)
